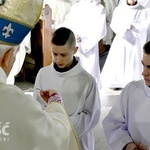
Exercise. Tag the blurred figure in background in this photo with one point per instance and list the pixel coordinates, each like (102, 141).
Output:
(110, 5)
(60, 9)
(87, 19)
(130, 23)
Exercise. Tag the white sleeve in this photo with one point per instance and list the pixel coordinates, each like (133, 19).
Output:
(115, 123)
(36, 92)
(85, 121)
(34, 128)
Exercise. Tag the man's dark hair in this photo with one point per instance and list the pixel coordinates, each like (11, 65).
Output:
(146, 48)
(64, 36)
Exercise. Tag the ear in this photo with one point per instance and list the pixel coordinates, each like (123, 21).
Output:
(7, 61)
(75, 50)
(7, 58)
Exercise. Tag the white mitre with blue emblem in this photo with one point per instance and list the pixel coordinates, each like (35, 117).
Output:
(17, 18)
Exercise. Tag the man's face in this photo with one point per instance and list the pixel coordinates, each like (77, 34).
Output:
(132, 2)
(62, 55)
(146, 68)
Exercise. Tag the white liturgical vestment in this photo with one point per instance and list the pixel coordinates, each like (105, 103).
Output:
(129, 120)
(80, 95)
(25, 126)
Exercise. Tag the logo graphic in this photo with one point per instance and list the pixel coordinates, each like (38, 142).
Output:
(4, 131)
(7, 31)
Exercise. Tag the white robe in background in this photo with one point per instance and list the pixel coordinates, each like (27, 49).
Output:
(144, 3)
(80, 95)
(128, 120)
(74, 1)
(25, 126)
(110, 5)
(88, 20)
(59, 10)
(123, 63)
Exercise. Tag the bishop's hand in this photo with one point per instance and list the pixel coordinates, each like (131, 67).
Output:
(50, 96)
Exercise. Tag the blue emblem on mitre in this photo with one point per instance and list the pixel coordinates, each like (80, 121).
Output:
(12, 32)
(2, 2)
